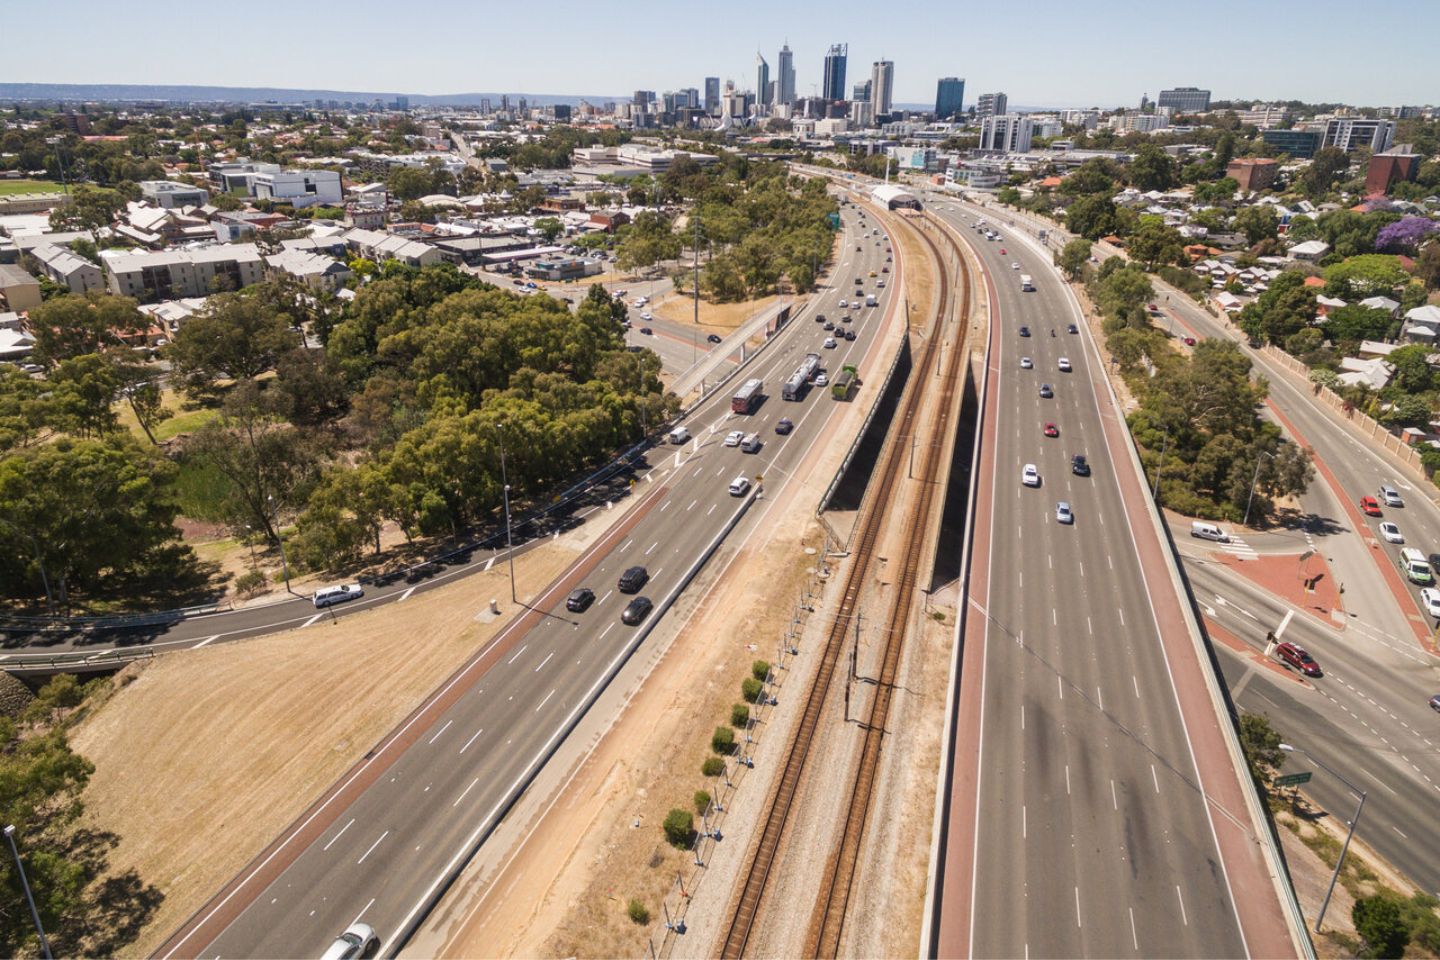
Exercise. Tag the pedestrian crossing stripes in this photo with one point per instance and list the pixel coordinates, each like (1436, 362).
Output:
(1239, 548)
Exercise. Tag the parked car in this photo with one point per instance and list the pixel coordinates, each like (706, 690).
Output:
(1189, 341)
(579, 599)
(1297, 657)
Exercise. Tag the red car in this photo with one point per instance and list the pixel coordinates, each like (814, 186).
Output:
(1370, 507)
(1002, 251)
(1051, 430)
(1295, 656)
(1189, 341)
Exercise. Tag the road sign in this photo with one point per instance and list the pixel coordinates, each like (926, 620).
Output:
(1293, 779)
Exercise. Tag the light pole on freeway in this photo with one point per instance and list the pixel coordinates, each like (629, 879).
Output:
(1353, 820)
(509, 540)
(29, 898)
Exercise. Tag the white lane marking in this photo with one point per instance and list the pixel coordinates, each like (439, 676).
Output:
(1024, 822)
(1181, 898)
(1067, 778)
(1022, 716)
(1112, 561)
(467, 789)
(441, 730)
(372, 848)
(1059, 682)
(1137, 686)
(1100, 697)
(406, 594)
(489, 563)
(1114, 797)
(665, 506)
(207, 640)
(1134, 937)
(1082, 568)
(652, 548)
(1077, 908)
(712, 509)
(337, 836)
(311, 620)
(517, 654)
(607, 595)
(1399, 831)
(363, 909)
(606, 630)
(546, 700)
(545, 661)
(692, 505)
(475, 736)
(656, 574)
(1122, 615)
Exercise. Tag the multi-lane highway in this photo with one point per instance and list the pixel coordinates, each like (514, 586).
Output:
(377, 847)
(1090, 838)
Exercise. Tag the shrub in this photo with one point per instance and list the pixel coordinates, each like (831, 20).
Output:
(739, 715)
(1378, 921)
(751, 689)
(723, 740)
(760, 669)
(712, 767)
(250, 583)
(679, 827)
(702, 801)
(638, 912)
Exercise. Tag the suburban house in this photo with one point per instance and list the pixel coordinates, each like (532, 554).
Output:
(184, 273)
(1373, 373)
(1310, 250)
(380, 247)
(1422, 324)
(315, 270)
(15, 341)
(70, 270)
(18, 289)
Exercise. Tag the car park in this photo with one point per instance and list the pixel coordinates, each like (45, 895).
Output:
(579, 599)
(1370, 507)
(1046, 391)
(1064, 364)
(1063, 513)
(784, 425)
(1430, 600)
(733, 438)
(1079, 465)
(636, 611)
(1391, 533)
(1027, 364)
(1050, 430)
(1299, 658)
(633, 579)
(1390, 496)
(1030, 476)
(1024, 331)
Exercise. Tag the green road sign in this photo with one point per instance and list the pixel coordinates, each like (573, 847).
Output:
(1293, 779)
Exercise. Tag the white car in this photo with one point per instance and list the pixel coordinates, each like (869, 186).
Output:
(843, 303)
(647, 316)
(640, 301)
(1064, 365)
(739, 486)
(1430, 600)
(829, 343)
(1062, 512)
(733, 438)
(1391, 532)
(1015, 266)
(1030, 476)
(1027, 364)
(821, 380)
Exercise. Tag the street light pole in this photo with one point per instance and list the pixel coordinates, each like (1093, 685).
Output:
(509, 540)
(1155, 494)
(1253, 480)
(1324, 905)
(30, 899)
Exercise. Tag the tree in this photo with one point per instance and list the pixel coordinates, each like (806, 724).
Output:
(1405, 235)
(1152, 169)
(410, 183)
(1216, 192)
(235, 336)
(1008, 196)
(73, 325)
(549, 228)
(1281, 310)
(89, 208)
(1155, 243)
(1366, 275)
(1073, 257)
(1412, 368)
(1258, 222)
(1427, 267)
(85, 391)
(1351, 233)
(1328, 164)
(1123, 290)
(1353, 323)
(679, 827)
(1261, 745)
(1091, 216)
(1378, 921)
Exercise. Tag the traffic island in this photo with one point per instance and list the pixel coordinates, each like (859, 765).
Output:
(1303, 580)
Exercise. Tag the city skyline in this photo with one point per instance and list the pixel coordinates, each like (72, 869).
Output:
(1063, 64)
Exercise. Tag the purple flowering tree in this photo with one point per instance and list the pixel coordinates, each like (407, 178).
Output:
(1405, 234)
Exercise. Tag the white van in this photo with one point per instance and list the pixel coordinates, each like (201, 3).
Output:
(329, 596)
(1416, 567)
(679, 435)
(1208, 531)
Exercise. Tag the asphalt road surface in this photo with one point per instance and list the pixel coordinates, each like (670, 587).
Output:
(376, 852)
(1092, 839)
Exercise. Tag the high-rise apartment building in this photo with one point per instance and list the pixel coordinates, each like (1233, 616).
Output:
(834, 86)
(992, 105)
(1352, 133)
(1184, 100)
(882, 86)
(785, 68)
(1006, 133)
(949, 98)
(762, 80)
(712, 95)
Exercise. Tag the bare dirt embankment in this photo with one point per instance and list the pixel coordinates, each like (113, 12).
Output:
(206, 755)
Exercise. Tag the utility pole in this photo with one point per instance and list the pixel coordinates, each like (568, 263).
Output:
(30, 899)
(509, 540)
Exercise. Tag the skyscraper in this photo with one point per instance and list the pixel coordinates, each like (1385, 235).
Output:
(762, 80)
(785, 81)
(712, 94)
(834, 86)
(882, 86)
(861, 92)
(949, 98)
(992, 105)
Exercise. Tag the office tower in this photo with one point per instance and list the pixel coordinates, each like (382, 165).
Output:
(786, 78)
(991, 105)
(485, 106)
(692, 97)
(1144, 102)
(643, 98)
(1007, 133)
(712, 94)
(524, 105)
(1351, 133)
(882, 86)
(504, 103)
(834, 85)
(1184, 100)
(762, 80)
(562, 111)
(861, 91)
(949, 98)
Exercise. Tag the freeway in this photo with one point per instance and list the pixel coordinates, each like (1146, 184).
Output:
(380, 844)
(1367, 717)
(1090, 837)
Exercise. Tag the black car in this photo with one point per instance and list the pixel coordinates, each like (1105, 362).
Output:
(714, 338)
(1072, 329)
(859, 281)
(1046, 392)
(1079, 465)
(849, 334)
(647, 331)
(845, 318)
(819, 318)
(784, 425)
(636, 610)
(579, 599)
(828, 325)
(633, 579)
(1024, 331)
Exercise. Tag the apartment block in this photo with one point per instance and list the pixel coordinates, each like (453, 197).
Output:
(70, 270)
(1352, 133)
(172, 274)
(1008, 133)
(1253, 173)
(168, 194)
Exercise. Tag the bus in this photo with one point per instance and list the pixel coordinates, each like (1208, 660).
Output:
(844, 385)
(794, 388)
(1026, 284)
(747, 398)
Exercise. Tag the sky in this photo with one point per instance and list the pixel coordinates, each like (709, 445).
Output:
(1041, 53)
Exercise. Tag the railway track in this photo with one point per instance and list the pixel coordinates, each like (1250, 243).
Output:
(840, 869)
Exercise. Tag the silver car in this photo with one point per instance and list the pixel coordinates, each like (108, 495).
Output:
(1062, 512)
